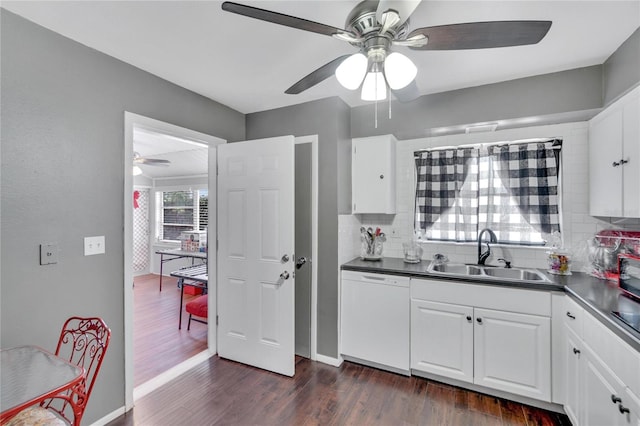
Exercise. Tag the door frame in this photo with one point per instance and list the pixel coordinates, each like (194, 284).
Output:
(313, 140)
(131, 120)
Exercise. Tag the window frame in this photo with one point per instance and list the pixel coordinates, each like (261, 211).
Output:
(159, 209)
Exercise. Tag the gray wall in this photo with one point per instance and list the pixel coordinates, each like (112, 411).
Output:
(544, 95)
(325, 118)
(622, 69)
(62, 179)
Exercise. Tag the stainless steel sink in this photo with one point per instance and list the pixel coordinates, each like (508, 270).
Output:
(487, 273)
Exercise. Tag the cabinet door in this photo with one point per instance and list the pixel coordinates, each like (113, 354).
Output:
(600, 387)
(442, 339)
(605, 180)
(373, 175)
(631, 153)
(572, 364)
(513, 353)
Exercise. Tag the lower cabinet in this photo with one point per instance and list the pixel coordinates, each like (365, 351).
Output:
(573, 360)
(604, 400)
(494, 348)
(451, 326)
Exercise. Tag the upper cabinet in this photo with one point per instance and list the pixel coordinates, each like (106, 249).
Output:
(374, 174)
(614, 159)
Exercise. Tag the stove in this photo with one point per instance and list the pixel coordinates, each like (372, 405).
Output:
(630, 318)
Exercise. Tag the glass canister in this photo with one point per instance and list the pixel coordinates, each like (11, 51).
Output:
(412, 252)
(559, 262)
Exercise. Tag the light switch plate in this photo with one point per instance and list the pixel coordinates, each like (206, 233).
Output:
(48, 253)
(94, 245)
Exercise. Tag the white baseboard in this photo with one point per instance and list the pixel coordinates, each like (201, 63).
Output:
(109, 417)
(167, 376)
(336, 362)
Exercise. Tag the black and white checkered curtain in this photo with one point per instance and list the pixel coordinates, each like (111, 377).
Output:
(528, 174)
(447, 193)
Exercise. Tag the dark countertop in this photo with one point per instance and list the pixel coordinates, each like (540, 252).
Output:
(597, 296)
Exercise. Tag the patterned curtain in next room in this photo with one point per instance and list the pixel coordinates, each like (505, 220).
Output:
(447, 193)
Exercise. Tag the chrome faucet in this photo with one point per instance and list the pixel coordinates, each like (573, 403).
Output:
(482, 256)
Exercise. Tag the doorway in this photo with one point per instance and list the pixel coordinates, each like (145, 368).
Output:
(134, 123)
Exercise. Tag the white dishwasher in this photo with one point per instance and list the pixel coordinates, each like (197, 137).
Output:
(374, 320)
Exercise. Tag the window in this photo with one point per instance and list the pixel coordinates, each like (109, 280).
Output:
(510, 188)
(181, 211)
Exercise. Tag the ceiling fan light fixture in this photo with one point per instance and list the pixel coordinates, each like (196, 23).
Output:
(374, 87)
(136, 171)
(351, 71)
(399, 70)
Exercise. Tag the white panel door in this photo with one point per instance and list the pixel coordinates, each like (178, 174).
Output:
(255, 232)
(442, 339)
(513, 353)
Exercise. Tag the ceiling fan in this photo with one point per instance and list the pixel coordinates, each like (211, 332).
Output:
(145, 161)
(374, 27)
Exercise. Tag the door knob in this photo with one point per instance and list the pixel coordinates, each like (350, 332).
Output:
(285, 258)
(284, 275)
(301, 261)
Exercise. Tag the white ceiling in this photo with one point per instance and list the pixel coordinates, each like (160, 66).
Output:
(187, 158)
(247, 64)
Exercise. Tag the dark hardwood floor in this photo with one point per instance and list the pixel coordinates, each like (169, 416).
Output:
(221, 392)
(158, 345)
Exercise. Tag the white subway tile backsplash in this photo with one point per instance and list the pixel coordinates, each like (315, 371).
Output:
(578, 226)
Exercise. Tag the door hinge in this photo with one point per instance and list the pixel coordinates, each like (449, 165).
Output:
(216, 320)
(216, 245)
(354, 207)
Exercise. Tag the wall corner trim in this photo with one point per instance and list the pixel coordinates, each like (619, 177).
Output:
(336, 362)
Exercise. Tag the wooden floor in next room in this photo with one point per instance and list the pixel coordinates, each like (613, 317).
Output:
(158, 345)
(221, 392)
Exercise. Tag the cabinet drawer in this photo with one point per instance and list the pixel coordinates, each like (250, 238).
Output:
(483, 296)
(620, 357)
(573, 316)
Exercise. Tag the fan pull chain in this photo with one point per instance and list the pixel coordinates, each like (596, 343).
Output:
(375, 113)
(389, 97)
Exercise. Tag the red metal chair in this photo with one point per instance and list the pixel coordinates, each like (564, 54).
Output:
(198, 307)
(83, 342)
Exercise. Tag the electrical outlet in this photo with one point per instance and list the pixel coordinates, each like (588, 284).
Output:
(395, 233)
(48, 253)
(94, 245)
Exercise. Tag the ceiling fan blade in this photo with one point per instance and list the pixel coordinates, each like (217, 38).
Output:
(151, 161)
(482, 35)
(404, 8)
(317, 76)
(286, 20)
(408, 93)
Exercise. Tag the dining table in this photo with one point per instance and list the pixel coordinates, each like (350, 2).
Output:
(30, 375)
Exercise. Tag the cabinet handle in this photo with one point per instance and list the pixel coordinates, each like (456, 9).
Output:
(615, 164)
(623, 409)
(469, 318)
(577, 351)
(479, 320)
(615, 399)
(570, 315)
(381, 176)
(623, 161)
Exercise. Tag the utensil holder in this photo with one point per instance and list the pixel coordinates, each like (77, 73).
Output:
(370, 250)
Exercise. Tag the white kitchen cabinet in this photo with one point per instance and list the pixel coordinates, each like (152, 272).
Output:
(603, 398)
(451, 326)
(491, 336)
(572, 374)
(614, 159)
(374, 320)
(512, 352)
(373, 174)
(601, 372)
